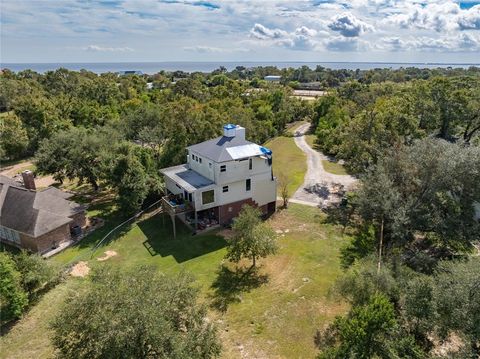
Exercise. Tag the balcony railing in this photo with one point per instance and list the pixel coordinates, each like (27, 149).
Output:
(176, 204)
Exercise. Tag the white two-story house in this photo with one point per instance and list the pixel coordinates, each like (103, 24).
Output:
(220, 176)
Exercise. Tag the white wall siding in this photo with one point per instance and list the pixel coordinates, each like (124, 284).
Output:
(236, 192)
(172, 186)
(264, 190)
(238, 170)
(203, 168)
(198, 198)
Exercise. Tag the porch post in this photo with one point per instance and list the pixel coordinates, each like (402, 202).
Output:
(196, 222)
(172, 216)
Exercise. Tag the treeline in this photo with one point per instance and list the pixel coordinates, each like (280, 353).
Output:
(358, 122)
(399, 313)
(23, 279)
(325, 78)
(412, 272)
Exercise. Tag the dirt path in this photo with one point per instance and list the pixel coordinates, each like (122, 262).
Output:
(319, 187)
(12, 171)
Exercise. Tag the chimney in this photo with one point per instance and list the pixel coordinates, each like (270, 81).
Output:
(230, 130)
(28, 180)
(240, 132)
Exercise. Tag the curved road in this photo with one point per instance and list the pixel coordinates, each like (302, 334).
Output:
(319, 187)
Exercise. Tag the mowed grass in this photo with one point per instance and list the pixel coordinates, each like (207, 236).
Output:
(275, 319)
(334, 167)
(289, 162)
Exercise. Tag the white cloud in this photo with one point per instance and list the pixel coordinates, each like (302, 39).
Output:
(460, 43)
(441, 17)
(97, 48)
(211, 49)
(345, 44)
(302, 38)
(348, 25)
(253, 30)
(264, 33)
(470, 19)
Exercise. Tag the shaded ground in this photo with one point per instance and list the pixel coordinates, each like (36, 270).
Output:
(319, 187)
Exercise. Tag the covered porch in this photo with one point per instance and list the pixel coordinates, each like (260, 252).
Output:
(183, 187)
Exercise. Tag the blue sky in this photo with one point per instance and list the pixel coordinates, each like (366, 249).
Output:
(248, 30)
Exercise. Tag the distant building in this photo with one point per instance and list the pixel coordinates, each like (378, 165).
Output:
(129, 72)
(220, 176)
(38, 221)
(272, 78)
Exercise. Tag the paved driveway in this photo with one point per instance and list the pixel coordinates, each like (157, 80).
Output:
(319, 187)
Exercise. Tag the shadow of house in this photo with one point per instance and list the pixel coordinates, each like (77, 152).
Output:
(160, 242)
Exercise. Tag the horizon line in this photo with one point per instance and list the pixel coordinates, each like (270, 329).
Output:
(250, 62)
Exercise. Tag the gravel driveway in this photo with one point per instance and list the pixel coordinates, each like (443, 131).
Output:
(319, 187)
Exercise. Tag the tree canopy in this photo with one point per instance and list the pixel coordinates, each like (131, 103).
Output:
(135, 314)
(252, 238)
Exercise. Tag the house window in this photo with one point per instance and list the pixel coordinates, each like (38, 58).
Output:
(200, 160)
(209, 164)
(9, 235)
(225, 189)
(250, 164)
(190, 197)
(248, 184)
(223, 168)
(208, 197)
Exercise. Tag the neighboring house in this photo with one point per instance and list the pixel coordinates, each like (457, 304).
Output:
(129, 72)
(220, 176)
(272, 78)
(36, 220)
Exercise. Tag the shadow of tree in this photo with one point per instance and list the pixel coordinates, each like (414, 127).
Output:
(230, 284)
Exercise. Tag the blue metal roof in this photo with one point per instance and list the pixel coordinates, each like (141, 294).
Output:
(229, 126)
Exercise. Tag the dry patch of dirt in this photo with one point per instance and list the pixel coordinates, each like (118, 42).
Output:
(226, 233)
(280, 271)
(81, 269)
(107, 255)
(450, 345)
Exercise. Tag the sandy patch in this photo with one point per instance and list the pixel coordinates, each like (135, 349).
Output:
(226, 233)
(81, 269)
(44, 181)
(108, 254)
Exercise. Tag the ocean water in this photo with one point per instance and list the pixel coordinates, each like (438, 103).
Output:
(154, 67)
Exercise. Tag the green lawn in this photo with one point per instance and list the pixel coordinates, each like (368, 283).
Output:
(288, 161)
(333, 167)
(275, 314)
(310, 139)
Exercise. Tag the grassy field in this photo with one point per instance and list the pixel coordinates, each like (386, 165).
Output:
(310, 139)
(333, 167)
(288, 161)
(273, 313)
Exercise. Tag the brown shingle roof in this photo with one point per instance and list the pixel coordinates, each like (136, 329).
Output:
(34, 213)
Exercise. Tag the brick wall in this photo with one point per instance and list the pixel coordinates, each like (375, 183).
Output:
(229, 211)
(45, 242)
(79, 219)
